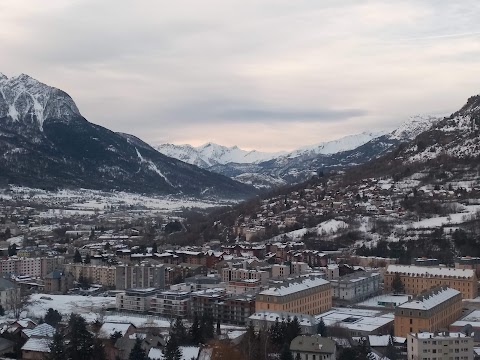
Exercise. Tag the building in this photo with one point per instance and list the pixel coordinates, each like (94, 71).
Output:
(265, 319)
(357, 286)
(431, 311)
(306, 296)
(102, 275)
(313, 347)
(351, 322)
(280, 271)
(417, 279)
(139, 276)
(58, 282)
(171, 303)
(136, 300)
(9, 294)
(234, 274)
(439, 346)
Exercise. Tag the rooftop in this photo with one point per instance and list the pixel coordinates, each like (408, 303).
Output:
(413, 270)
(430, 299)
(293, 287)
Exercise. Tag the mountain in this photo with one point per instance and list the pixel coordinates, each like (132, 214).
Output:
(264, 170)
(211, 154)
(46, 142)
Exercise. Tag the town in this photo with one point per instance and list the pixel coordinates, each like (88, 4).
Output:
(290, 276)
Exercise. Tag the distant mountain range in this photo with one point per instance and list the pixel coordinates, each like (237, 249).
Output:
(46, 142)
(264, 170)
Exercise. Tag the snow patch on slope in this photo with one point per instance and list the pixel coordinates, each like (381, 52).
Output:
(153, 167)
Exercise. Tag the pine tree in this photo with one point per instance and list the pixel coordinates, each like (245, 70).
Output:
(196, 334)
(98, 350)
(57, 347)
(397, 284)
(172, 351)
(88, 259)
(179, 332)
(321, 328)
(286, 354)
(80, 339)
(137, 352)
(219, 331)
(391, 351)
(77, 258)
(2, 311)
(53, 317)
(154, 248)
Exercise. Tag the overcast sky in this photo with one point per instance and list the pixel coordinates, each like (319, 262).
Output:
(264, 74)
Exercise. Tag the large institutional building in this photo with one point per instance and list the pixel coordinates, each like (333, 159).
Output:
(427, 345)
(417, 279)
(430, 311)
(306, 296)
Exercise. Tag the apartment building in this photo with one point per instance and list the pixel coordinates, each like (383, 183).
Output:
(234, 274)
(431, 311)
(171, 303)
(439, 346)
(305, 296)
(103, 275)
(313, 347)
(280, 271)
(136, 300)
(31, 266)
(357, 286)
(417, 279)
(140, 276)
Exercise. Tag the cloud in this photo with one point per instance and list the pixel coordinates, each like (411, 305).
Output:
(228, 70)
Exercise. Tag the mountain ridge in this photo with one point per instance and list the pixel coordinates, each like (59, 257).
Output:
(46, 142)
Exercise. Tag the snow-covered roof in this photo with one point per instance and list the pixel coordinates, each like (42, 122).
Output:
(42, 330)
(413, 270)
(430, 335)
(109, 329)
(431, 299)
(188, 352)
(37, 344)
(293, 287)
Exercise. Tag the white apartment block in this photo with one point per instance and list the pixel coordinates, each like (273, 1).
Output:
(233, 274)
(439, 346)
(171, 303)
(136, 300)
(356, 287)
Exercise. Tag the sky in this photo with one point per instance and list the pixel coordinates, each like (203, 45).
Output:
(261, 74)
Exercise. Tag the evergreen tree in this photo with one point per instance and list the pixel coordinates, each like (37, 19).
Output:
(80, 339)
(348, 354)
(154, 248)
(397, 284)
(206, 326)
(98, 350)
(137, 352)
(179, 332)
(363, 350)
(297, 357)
(77, 258)
(286, 354)
(276, 334)
(2, 311)
(172, 351)
(57, 347)
(52, 317)
(88, 259)
(12, 249)
(219, 331)
(321, 328)
(391, 351)
(196, 334)
(115, 336)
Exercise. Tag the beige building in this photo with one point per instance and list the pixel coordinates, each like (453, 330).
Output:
(280, 271)
(417, 279)
(234, 274)
(431, 311)
(305, 296)
(439, 346)
(103, 275)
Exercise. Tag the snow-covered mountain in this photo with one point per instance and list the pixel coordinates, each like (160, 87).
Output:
(265, 170)
(46, 142)
(212, 154)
